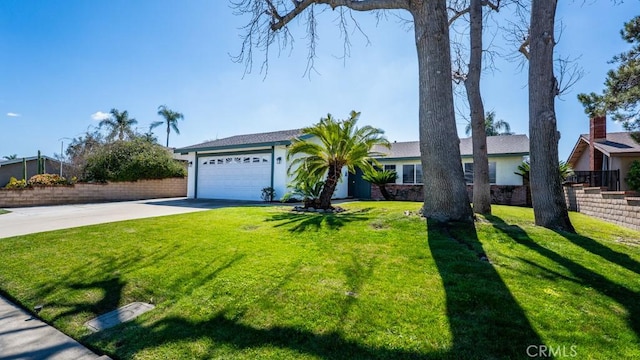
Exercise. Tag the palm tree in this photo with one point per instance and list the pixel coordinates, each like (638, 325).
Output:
(11, 157)
(170, 118)
(492, 126)
(381, 178)
(119, 125)
(564, 170)
(342, 143)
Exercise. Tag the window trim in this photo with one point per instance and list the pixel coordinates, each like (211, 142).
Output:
(415, 174)
(470, 182)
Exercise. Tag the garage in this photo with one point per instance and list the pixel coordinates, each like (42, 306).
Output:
(233, 176)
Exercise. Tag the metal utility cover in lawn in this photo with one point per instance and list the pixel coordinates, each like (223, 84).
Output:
(118, 316)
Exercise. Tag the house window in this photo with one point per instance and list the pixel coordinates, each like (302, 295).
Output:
(412, 174)
(246, 160)
(468, 172)
(390, 168)
(220, 161)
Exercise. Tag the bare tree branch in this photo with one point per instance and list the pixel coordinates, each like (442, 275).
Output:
(280, 21)
(569, 72)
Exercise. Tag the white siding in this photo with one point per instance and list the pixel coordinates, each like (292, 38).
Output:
(191, 175)
(280, 178)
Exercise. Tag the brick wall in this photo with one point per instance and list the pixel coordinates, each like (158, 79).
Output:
(500, 194)
(83, 193)
(400, 192)
(618, 207)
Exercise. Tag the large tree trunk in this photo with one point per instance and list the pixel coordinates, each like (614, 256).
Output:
(548, 201)
(481, 186)
(445, 190)
(329, 187)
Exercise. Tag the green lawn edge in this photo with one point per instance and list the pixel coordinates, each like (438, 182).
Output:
(374, 282)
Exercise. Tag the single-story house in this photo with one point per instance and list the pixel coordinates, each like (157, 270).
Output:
(239, 167)
(13, 168)
(603, 159)
(505, 153)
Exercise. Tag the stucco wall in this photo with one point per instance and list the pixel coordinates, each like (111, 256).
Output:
(622, 163)
(82, 193)
(583, 162)
(618, 207)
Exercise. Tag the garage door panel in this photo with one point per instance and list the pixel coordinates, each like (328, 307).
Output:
(236, 177)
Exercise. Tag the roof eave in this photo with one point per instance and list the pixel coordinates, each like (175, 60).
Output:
(581, 140)
(235, 146)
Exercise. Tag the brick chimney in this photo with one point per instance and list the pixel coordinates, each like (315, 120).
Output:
(597, 133)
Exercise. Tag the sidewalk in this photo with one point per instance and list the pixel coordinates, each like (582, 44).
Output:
(24, 337)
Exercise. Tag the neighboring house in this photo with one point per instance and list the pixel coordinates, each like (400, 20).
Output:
(239, 167)
(13, 168)
(603, 159)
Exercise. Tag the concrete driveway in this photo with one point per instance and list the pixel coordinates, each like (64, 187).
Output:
(29, 220)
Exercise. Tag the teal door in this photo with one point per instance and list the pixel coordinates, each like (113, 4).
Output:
(358, 187)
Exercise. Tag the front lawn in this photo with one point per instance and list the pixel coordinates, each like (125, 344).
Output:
(3, 211)
(373, 282)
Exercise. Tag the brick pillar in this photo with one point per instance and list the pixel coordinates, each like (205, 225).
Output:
(597, 132)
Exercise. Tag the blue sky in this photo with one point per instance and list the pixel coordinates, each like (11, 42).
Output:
(63, 63)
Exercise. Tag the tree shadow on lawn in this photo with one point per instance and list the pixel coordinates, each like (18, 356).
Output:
(585, 276)
(603, 251)
(223, 330)
(226, 328)
(301, 222)
(485, 319)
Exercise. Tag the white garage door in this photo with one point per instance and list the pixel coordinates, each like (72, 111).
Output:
(235, 177)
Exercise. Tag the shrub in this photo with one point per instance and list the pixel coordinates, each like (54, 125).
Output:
(130, 161)
(47, 180)
(16, 184)
(633, 176)
(268, 194)
(307, 188)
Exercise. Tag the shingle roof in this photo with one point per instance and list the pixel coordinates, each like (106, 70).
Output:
(496, 145)
(249, 140)
(616, 143)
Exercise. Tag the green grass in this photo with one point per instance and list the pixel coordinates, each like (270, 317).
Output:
(3, 211)
(262, 282)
